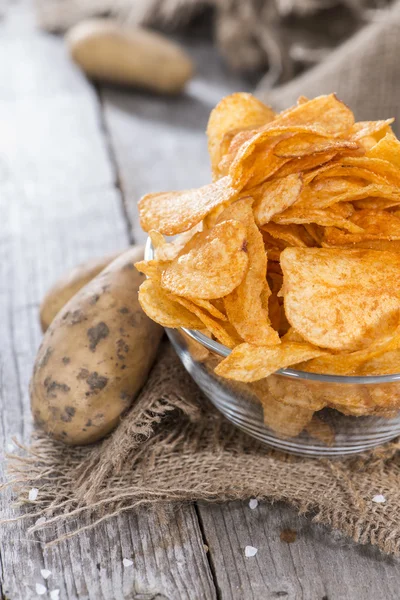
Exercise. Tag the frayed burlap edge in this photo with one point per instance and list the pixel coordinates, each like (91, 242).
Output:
(173, 447)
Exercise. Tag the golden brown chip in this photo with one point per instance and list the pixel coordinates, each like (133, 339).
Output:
(247, 362)
(173, 212)
(388, 149)
(326, 112)
(325, 218)
(341, 299)
(209, 307)
(213, 267)
(275, 196)
(293, 235)
(244, 304)
(159, 306)
(237, 110)
(224, 332)
(376, 225)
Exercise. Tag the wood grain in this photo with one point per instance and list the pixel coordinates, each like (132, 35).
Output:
(59, 205)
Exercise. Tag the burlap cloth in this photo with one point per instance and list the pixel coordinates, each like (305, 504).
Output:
(174, 446)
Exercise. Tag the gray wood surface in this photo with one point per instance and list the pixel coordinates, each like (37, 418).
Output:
(59, 205)
(72, 167)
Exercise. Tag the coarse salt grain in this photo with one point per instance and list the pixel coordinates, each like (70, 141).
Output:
(40, 589)
(127, 563)
(253, 503)
(379, 499)
(40, 521)
(55, 594)
(250, 551)
(33, 494)
(45, 573)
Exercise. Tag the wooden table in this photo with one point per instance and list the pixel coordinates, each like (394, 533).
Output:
(74, 159)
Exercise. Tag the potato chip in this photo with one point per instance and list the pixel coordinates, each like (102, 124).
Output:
(285, 419)
(173, 212)
(364, 129)
(376, 225)
(243, 305)
(301, 145)
(305, 163)
(247, 362)
(275, 196)
(341, 299)
(237, 110)
(213, 267)
(209, 307)
(326, 218)
(153, 269)
(159, 306)
(388, 149)
(293, 235)
(326, 112)
(222, 331)
(164, 250)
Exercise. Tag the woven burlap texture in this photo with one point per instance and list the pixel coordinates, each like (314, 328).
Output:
(174, 446)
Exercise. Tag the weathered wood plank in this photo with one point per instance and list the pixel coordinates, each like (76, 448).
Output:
(59, 206)
(319, 565)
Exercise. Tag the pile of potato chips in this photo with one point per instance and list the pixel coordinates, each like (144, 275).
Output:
(292, 255)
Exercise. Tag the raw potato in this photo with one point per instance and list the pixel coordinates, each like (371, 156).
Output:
(66, 287)
(109, 51)
(95, 356)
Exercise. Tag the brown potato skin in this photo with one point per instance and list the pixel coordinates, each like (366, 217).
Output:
(95, 356)
(132, 56)
(68, 285)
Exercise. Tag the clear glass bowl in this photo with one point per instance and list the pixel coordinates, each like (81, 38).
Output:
(278, 410)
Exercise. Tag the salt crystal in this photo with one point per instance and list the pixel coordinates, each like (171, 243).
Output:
(127, 563)
(253, 503)
(45, 573)
(33, 494)
(40, 521)
(379, 499)
(250, 551)
(40, 589)
(55, 594)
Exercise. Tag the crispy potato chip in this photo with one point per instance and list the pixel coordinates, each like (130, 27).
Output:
(164, 250)
(321, 431)
(388, 149)
(326, 112)
(305, 163)
(376, 225)
(247, 362)
(285, 419)
(301, 145)
(364, 129)
(244, 305)
(159, 306)
(222, 331)
(152, 268)
(326, 218)
(209, 307)
(387, 363)
(237, 110)
(341, 299)
(213, 267)
(293, 235)
(275, 196)
(173, 212)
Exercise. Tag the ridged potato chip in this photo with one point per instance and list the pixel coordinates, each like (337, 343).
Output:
(343, 299)
(247, 362)
(170, 213)
(213, 267)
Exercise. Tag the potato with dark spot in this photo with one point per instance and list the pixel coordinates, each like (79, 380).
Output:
(66, 287)
(95, 356)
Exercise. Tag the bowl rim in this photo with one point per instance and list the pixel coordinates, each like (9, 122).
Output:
(224, 351)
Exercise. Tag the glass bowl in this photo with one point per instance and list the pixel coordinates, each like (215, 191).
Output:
(287, 410)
